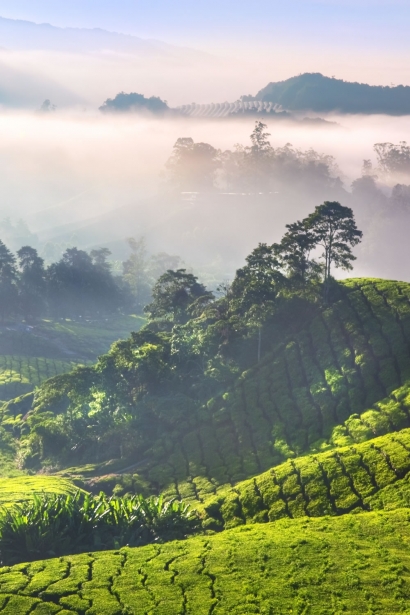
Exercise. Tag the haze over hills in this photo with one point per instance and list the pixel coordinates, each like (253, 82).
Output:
(153, 67)
(80, 66)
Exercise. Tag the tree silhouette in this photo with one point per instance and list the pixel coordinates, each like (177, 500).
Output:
(8, 283)
(334, 229)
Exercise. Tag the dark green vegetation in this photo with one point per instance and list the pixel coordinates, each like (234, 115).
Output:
(78, 285)
(351, 564)
(314, 92)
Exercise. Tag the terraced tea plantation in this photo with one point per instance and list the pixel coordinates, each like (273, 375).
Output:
(343, 379)
(371, 475)
(20, 374)
(351, 564)
(30, 355)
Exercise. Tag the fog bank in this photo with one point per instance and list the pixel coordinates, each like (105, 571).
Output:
(86, 179)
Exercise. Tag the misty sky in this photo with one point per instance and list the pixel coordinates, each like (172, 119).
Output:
(367, 29)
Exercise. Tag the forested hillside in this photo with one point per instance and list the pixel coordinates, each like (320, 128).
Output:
(315, 92)
(279, 402)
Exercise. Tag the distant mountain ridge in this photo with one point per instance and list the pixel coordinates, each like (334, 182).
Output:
(315, 92)
(21, 34)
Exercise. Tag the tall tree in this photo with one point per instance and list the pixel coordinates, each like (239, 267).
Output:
(135, 270)
(258, 159)
(32, 285)
(99, 257)
(255, 287)
(260, 143)
(8, 283)
(333, 228)
(294, 250)
(174, 293)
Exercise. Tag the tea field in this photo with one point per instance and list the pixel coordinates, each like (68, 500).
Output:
(372, 475)
(300, 472)
(328, 566)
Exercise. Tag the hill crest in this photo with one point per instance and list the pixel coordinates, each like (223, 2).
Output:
(318, 93)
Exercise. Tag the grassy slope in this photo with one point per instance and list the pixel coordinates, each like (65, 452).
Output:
(342, 379)
(351, 564)
(27, 357)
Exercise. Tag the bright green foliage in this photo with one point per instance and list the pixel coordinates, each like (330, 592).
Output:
(330, 483)
(351, 564)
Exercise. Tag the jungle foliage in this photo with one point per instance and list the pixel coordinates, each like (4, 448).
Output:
(194, 346)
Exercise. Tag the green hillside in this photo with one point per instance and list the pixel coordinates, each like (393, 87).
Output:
(340, 379)
(306, 450)
(351, 564)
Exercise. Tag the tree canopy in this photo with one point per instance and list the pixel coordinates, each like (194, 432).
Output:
(134, 102)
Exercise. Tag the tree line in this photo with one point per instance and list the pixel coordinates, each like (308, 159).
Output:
(80, 284)
(260, 167)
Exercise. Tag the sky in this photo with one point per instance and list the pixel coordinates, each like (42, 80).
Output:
(367, 25)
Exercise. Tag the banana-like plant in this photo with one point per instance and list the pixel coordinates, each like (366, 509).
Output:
(49, 526)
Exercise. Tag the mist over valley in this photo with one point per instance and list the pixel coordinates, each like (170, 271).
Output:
(76, 179)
